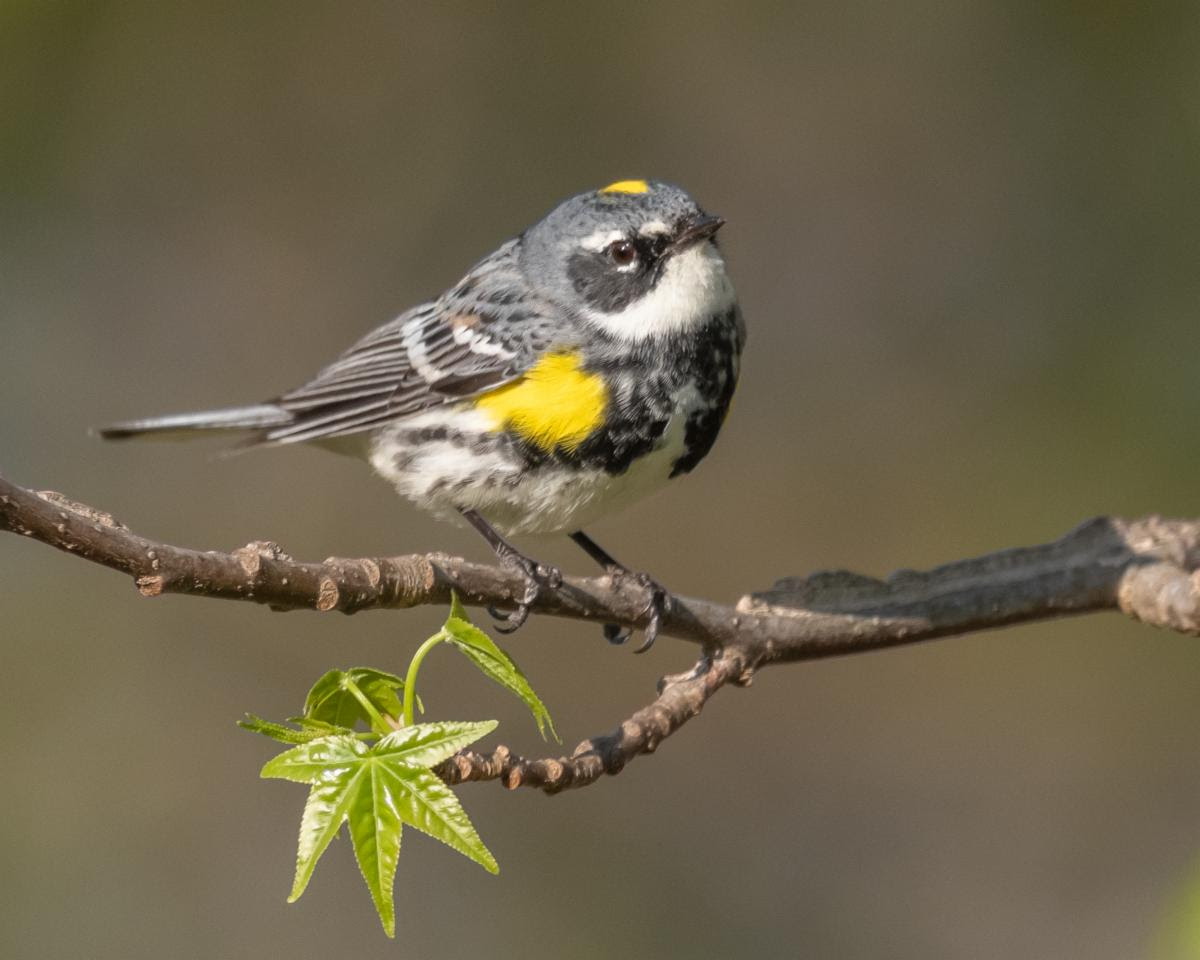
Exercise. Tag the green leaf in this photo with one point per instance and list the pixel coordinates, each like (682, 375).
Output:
(428, 744)
(424, 802)
(319, 728)
(378, 789)
(322, 760)
(328, 804)
(494, 663)
(310, 730)
(375, 828)
(337, 698)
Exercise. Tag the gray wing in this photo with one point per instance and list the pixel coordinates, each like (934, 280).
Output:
(485, 331)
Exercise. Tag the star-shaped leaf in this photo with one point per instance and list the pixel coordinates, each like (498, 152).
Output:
(378, 789)
(494, 663)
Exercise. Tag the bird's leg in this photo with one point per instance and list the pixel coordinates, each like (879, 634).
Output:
(536, 574)
(656, 607)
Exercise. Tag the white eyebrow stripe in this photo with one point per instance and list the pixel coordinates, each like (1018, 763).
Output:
(653, 227)
(601, 239)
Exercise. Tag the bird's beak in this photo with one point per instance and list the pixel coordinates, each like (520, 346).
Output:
(695, 229)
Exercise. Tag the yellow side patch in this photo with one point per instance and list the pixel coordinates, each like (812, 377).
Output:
(627, 186)
(554, 404)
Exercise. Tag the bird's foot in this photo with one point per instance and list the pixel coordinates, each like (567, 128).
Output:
(657, 607)
(537, 576)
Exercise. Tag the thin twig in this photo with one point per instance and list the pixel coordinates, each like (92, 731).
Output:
(681, 697)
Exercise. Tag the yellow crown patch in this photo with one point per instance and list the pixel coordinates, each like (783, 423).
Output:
(627, 186)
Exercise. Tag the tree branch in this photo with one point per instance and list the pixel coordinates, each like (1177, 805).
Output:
(680, 698)
(1146, 568)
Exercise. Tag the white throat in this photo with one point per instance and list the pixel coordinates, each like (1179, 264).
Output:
(694, 287)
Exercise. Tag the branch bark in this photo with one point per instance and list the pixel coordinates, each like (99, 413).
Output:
(1146, 568)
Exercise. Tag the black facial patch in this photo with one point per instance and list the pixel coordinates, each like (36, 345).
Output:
(607, 288)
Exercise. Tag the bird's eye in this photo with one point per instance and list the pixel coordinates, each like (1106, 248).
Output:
(623, 253)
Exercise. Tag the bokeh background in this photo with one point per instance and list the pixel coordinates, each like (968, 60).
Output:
(965, 237)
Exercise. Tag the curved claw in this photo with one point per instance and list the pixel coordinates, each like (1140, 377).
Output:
(660, 603)
(511, 622)
(650, 636)
(660, 600)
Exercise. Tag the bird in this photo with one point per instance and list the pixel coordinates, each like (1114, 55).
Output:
(577, 368)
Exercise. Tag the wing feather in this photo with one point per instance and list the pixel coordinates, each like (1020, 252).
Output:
(483, 333)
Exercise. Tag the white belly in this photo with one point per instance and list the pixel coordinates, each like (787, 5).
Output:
(445, 477)
(557, 499)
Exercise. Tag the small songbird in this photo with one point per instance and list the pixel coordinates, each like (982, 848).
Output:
(576, 369)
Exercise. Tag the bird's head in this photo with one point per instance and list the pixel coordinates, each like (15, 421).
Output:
(636, 259)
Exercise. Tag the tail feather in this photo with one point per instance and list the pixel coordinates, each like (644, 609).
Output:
(180, 425)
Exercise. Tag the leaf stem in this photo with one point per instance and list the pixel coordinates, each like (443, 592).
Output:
(377, 721)
(410, 679)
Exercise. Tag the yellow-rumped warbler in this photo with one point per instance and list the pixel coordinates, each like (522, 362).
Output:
(577, 368)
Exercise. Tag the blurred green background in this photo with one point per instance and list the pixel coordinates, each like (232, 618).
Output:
(965, 237)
